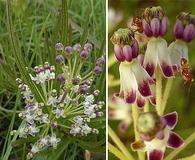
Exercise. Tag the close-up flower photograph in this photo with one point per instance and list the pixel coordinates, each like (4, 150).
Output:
(150, 80)
(52, 80)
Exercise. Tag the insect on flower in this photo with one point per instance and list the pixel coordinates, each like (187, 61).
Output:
(185, 70)
(137, 23)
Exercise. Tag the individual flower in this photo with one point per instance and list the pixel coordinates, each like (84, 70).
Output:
(135, 83)
(184, 32)
(155, 26)
(156, 134)
(121, 111)
(125, 45)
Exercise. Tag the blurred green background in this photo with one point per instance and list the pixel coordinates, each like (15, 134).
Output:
(182, 96)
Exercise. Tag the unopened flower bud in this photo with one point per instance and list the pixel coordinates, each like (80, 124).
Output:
(77, 47)
(88, 47)
(59, 47)
(61, 77)
(98, 70)
(68, 50)
(59, 59)
(100, 61)
(84, 54)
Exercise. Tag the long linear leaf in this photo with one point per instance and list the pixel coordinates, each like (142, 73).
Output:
(18, 56)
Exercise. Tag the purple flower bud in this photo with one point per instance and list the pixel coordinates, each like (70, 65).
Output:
(41, 69)
(84, 54)
(188, 33)
(118, 53)
(59, 47)
(127, 52)
(178, 30)
(155, 27)
(147, 29)
(96, 93)
(77, 47)
(164, 25)
(75, 80)
(68, 50)
(98, 70)
(52, 69)
(89, 82)
(100, 61)
(135, 49)
(59, 59)
(61, 77)
(83, 88)
(46, 66)
(88, 47)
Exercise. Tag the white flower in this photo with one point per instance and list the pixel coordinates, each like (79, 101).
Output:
(33, 130)
(157, 54)
(54, 141)
(59, 112)
(90, 98)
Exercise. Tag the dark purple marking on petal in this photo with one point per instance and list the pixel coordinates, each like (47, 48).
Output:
(141, 102)
(127, 52)
(150, 68)
(175, 141)
(130, 98)
(167, 70)
(155, 155)
(155, 26)
(188, 33)
(147, 29)
(118, 53)
(153, 100)
(178, 30)
(171, 119)
(160, 135)
(144, 89)
(164, 25)
(135, 49)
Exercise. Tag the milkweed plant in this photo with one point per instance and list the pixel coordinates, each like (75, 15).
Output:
(67, 107)
(141, 73)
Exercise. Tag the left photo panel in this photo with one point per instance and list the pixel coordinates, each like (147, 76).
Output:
(53, 80)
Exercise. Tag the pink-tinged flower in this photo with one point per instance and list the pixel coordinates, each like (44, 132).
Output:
(184, 27)
(121, 111)
(178, 50)
(125, 45)
(135, 82)
(156, 134)
(157, 54)
(154, 22)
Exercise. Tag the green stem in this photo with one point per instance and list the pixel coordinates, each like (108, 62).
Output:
(189, 140)
(158, 91)
(120, 145)
(166, 94)
(116, 152)
(135, 114)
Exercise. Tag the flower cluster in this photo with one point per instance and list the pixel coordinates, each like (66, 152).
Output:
(139, 74)
(68, 100)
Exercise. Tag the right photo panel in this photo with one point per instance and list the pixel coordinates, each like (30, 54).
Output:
(151, 68)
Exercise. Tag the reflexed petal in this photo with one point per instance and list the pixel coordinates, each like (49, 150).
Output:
(175, 141)
(164, 58)
(155, 26)
(118, 53)
(138, 145)
(153, 100)
(140, 59)
(128, 82)
(151, 57)
(171, 119)
(164, 25)
(143, 79)
(127, 52)
(155, 155)
(178, 50)
(141, 101)
(147, 29)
